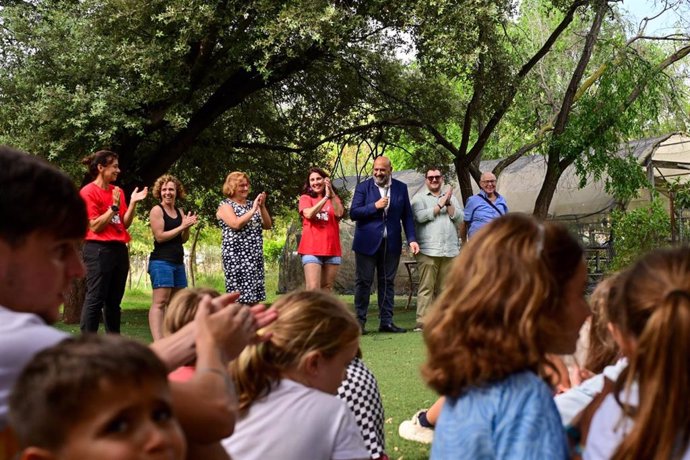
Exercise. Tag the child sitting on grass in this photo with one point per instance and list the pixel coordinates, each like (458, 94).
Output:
(514, 295)
(95, 398)
(287, 385)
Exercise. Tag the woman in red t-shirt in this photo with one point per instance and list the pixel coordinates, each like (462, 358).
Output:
(319, 246)
(105, 251)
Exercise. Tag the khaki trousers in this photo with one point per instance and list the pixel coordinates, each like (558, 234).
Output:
(432, 272)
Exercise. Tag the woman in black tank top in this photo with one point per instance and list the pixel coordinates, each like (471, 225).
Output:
(170, 227)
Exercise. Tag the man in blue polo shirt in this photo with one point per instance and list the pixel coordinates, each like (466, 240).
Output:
(483, 207)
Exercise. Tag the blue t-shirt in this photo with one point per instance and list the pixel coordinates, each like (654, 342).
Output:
(479, 213)
(514, 418)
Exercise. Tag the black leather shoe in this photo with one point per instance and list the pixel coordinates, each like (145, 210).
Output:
(364, 331)
(391, 328)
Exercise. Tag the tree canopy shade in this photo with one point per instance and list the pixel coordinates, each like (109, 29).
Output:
(158, 80)
(205, 86)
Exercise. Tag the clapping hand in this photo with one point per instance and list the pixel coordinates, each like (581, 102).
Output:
(189, 219)
(329, 187)
(138, 195)
(224, 325)
(260, 201)
(445, 199)
(116, 196)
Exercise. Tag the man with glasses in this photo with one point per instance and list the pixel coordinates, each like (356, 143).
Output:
(483, 207)
(435, 215)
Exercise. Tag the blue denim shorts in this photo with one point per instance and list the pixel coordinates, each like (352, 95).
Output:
(167, 274)
(321, 260)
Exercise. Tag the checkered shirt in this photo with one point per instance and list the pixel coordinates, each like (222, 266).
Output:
(361, 393)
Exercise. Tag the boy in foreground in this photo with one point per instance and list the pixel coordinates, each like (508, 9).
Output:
(95, 397)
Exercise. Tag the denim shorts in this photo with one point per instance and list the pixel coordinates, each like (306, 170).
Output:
(321, 260)
(166, 274)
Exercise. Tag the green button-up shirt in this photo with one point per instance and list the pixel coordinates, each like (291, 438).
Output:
(437, 236)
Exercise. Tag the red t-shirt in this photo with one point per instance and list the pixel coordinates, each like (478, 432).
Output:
(97, 202)
(320, 234)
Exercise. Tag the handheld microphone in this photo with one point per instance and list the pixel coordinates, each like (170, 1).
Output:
(386, 191)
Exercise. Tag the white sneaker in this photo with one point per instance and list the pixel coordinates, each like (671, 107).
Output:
(413, 431)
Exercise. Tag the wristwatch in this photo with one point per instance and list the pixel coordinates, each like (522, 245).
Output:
(115, 208)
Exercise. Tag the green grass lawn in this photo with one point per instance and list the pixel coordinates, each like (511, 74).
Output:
(394, 359)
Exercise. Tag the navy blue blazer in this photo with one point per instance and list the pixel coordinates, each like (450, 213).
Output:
(370, 221)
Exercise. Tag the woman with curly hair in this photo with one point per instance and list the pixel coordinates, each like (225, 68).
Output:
(514, 295)
(170, 227)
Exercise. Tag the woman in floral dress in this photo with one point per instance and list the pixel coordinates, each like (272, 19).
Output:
(242, 222)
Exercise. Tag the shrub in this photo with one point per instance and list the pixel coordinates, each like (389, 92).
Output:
(639, 231)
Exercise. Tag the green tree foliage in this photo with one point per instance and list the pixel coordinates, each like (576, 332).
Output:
(639, 231)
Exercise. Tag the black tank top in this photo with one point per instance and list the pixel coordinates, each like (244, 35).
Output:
(171, 250)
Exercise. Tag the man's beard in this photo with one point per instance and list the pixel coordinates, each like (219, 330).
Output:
(381, 182)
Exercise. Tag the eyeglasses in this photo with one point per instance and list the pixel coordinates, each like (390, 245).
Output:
(489, 181)
(433, 178)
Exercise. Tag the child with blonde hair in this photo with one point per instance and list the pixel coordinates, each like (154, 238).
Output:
(514, 295)
(287, 385)
(647, 414)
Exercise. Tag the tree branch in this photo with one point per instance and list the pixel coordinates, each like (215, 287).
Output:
(484, 136)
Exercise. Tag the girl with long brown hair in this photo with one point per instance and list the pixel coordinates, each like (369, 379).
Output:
(514, 295)
(647, 415)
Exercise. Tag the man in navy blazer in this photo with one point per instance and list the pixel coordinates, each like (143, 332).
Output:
(379, 206)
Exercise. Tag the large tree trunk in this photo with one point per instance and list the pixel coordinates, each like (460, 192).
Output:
(464, 181)
(74, 301)
(548, 188)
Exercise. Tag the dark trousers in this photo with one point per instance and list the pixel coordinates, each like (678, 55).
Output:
(385, 263)
(107, 265)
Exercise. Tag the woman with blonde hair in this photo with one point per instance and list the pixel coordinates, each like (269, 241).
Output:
(647, 414)
(242, 222)
(514, 295)
(170, 226)
(287, 385)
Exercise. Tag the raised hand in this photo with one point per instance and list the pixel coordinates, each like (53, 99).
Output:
(138, 195)
(262, 199)
(329, 187)
(230, 328)
(445, 200)
(189, 219)
(116, 196)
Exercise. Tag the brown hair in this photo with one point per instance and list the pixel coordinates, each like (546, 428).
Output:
(102, 158)
(306, 188)
(307, 321)
(164, 179)
(230, 185)
(37, 197)
(502, 303)
(59, 383)
(653, 307)
(182, 308)
(602, 350)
